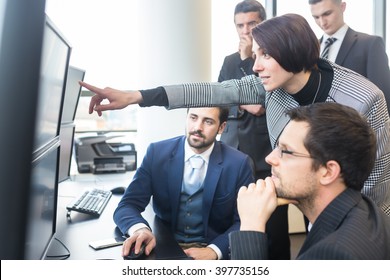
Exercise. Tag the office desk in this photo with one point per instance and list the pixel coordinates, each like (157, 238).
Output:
(76, 233)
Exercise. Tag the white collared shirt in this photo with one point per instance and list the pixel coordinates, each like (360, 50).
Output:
(334, 49)
(188, 152)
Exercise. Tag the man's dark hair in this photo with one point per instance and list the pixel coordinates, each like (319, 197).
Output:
(247, 6)
(339, 133)
(223, 113)
(312, 2)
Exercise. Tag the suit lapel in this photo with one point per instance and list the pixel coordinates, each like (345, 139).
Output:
(175, 178)
(211, 180)
(349, 40)
(331, 218)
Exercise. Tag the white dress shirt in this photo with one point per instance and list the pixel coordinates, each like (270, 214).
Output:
(334, 49)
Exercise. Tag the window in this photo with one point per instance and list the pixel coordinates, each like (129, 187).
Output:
(358, 14)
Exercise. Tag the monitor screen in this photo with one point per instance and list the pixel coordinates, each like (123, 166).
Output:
(124, 120)
(42, 214)
(72, 93)
(54, 68)
(42, 207)
(67, 140)
(21, 36)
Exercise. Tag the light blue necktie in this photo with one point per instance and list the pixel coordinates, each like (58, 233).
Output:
(194, 175)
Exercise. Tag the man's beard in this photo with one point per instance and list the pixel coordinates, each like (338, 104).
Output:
(198, 143)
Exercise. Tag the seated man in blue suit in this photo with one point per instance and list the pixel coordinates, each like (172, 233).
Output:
(201, 217)
(320, 162)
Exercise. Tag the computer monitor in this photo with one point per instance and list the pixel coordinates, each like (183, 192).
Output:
(42, 207)
(72, 93)
(54, 69)
(21, 33)
(67, 140)
(42, 213)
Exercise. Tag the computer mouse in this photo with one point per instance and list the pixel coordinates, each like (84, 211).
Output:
(132, 255)
(118, 190)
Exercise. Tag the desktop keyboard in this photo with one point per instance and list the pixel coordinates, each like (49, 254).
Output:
(91, 202)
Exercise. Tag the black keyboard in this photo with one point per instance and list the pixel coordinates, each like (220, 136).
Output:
(91, 202)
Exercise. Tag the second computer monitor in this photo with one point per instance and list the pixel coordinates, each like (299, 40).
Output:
(72, 93)
(66, 151)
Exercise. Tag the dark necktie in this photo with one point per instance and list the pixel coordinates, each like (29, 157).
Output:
(328, 43)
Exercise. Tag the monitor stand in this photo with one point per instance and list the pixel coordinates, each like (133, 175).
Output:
(57, 250)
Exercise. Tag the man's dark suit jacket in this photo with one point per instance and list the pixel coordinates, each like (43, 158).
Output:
(161, 174)
(350, 227)
(245, 131)
(366, 55)
(249, 134)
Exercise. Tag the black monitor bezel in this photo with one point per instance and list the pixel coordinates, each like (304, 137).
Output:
(20, 59)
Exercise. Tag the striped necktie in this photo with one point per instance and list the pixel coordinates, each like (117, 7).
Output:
(328, 43)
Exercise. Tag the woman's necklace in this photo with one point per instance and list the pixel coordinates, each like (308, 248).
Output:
(318, 88)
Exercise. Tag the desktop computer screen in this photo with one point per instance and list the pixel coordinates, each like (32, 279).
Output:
(42, 207)
(72, 93)
(67, 140)
(67, 129)
(21, 36)
(42, 214)
(54, 68)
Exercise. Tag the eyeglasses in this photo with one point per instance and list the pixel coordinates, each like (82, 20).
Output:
(296, 154)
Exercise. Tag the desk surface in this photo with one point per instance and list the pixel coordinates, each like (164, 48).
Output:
(76, 233)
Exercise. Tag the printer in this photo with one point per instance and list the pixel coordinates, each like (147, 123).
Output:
(95, 155)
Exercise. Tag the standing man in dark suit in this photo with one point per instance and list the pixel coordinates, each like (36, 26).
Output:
(201, 212)
(318, 164)
(363, 53)
(246, 128)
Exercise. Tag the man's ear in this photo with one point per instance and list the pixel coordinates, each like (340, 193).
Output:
(343, 6)
(330, 173)
(221, 128)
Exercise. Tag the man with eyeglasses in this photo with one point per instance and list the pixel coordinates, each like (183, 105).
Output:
(320, 163)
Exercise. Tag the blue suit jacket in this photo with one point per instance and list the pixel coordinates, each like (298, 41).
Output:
(160, 176)
(366, 55)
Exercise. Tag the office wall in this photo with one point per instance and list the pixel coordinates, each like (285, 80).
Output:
(134, 44)
(176, 45)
